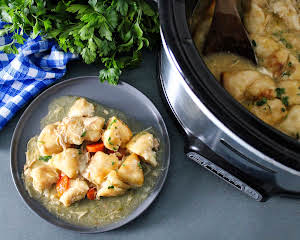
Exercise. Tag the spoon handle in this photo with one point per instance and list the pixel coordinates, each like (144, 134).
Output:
(226, 7)
(227, 32)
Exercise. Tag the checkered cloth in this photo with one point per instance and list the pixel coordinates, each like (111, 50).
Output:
(38, 64)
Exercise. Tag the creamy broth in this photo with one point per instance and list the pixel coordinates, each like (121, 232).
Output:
(106, 210)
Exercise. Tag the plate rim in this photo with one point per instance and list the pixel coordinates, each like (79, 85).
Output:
(142, 207)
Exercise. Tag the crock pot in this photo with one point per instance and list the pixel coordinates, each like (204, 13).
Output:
(221, 135)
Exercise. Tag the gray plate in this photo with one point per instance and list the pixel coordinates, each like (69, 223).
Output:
(122, 97)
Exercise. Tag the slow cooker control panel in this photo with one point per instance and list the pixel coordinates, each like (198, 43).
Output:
(225, 175)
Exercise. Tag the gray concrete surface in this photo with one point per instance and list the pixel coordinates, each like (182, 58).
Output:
(193, 204)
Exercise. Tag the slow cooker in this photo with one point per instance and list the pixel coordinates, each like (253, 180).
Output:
(221, 135)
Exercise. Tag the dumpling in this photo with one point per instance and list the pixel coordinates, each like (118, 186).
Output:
(76, 191)
(48, 141)
(256, 19)
(67, 162)
(248, 84)
(291, 89)
(93, 127)
(143, 144)
(116, 135)
(99, 166)
(113, 186)
(272, 112)
(82, 108)
(131, 171)
(291, 125)
(72, 130)
(43, 177)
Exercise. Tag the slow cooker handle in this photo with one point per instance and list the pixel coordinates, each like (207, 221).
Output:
(199, 152)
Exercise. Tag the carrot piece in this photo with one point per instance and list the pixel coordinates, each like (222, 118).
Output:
(62, 185)
(91, 194)
(95, 147)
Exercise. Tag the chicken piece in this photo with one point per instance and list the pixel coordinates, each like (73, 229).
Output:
(291, 125)
(76, 191)
(48, 141)
(99, 166)
(131, 171)
(43, 177)
(93, 127)
(81, 108)
(287, 11)
(116, 135)
(143, 144)
(248, 84)
(67, 162)
(290, 88)
(72, 130)
(112, 186)
(272, 112)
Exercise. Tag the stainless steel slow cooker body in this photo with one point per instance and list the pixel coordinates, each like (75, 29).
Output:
(222, 136)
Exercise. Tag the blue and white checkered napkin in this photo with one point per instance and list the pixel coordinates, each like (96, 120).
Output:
(38, 64)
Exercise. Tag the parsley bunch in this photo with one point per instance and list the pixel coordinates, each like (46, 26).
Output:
(111, 31)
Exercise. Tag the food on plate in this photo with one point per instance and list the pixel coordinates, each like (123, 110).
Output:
(83, 160)
(271, 90)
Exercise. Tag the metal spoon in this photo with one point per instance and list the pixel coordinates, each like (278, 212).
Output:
(227, 32)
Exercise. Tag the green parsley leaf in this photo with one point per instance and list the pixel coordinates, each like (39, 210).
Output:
(261, 102)
(122, 7)
(254, 43)
(279, 92)
(285, 101)
(111, 187)
(140, 165)
(109, 31)
(45, 158)
(83, 134)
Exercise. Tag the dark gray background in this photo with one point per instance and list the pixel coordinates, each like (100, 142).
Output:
(193, 203)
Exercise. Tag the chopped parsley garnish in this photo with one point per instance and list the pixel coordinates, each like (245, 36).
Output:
(298, 94)
(45, 158)
(290, 64)
(112, 163)
(282, 109)
(279, 92)
(261, 102)
(111, 187)
(140, 165)
(83, 134)
(254, 43)
(114, 121)
(79, 151)
(286, 43)
(285, 101)
(115, 149)
(109, 141)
